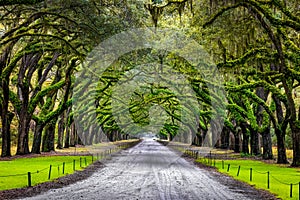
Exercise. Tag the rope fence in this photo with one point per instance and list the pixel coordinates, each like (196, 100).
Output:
(61, 168)
(209, 159)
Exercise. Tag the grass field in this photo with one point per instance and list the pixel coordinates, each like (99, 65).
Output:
(280, 177)
(14, 173)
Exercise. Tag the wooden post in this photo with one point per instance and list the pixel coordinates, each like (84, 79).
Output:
(250, 174)
(49, 175)
(268, 173)
(92, 158)
(228, 167)
(238, 172)
(29, 179)
(63, 170)
(74, 165)
(85, 161)
(291, 190)
(97, 156)
(80, 162)
(222, 164)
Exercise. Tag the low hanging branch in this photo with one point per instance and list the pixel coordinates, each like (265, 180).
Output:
(156, 8)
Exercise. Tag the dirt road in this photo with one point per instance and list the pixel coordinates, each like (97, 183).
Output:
(148, 171)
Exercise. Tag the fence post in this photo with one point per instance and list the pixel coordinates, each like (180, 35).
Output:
(97, 156)
(74, 165)
(268, 180)
(291, 190)
(63, 170)
(49, 175)
(250, 174)
(29, 179)
(92, 158)
(80, 162)
(238, 172)
(228, 167)
(222, 164)
(85, 161)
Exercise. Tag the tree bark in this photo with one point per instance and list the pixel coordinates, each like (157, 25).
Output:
(281, 150)
(23, 130)
(6, 135)
(237, 137)
(245, 146)
(73, 135)
(60, 131)
(296, 147)
(267, 144)
(225, 138)
(49, 136)
(254, 141)
(37, 138)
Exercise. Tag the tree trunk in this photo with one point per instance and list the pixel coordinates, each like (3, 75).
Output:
(5, 114)
(237, 138)
(72, 135)
(267, 144)
(37, 138)
(6, 119)
(245, 145)
(281, 150)
(296, 146)
(60, 131)
(23, 130)
(225, 138)
(6, 139)
(254, 141)
(67, 138)
(49, 136)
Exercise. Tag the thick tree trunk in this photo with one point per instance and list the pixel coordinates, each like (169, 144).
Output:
(67, 138)
(267, 144)
(37, 139)
(23, 130)
(49, 136)
(296, 146)
(6, 119)
(72, 135)
(60, 131)
(6, 116)
(281, 150)
(254, 141)
(225, 138)
(245, 146)
(6, 139)
(237, 137)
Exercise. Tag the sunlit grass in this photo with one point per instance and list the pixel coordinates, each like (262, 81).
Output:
(14, 172)
(39, 168)
(280, 176)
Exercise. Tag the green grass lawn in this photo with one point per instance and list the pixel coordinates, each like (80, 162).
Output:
(13, 173)
(280, 176)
